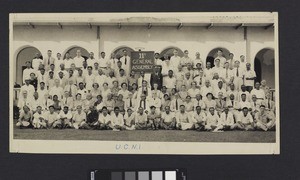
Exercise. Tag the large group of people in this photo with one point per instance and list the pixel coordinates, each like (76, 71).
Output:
(182, 93)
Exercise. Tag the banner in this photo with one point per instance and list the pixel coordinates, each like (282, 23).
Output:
(142, 61)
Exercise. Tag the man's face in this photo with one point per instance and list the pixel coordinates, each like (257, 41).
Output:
(67, 55)
(51, 74)
(49, 53)
(122, 72)
(170, 73)
(156, 56)
(52, 67)
(103, 55)
(220, 53)
(212, 111)
(116, 111)
(231, 97)
(248, 65)
(217, 62)
(42, 85)
(79, 108)
(78, 53)
(220, 84)
(242, 58)
(186, 54)
(245, 111)
(91, 55)
(125, 53)
(62, 66)
(197, 55)
(90, 70)
(57, 83)
(208, 65)
(243, 97)
(28, 64)
(182, 109)
(226, 110)
(100, 72)
(175, 52)
(254, 98)
(61, 75)
(58, 55)
(66, 109)
(198, 97)
(231, 56)
(207, 83)
(141, 111)
(81, 86)
(167, 109)
(152, 110)
(51, 109)
(198, 109)
(226, 65)
(129, 111)
(36, 95)
(262, 109)
(39, 109)
(237, 64)
(243, 87)
(257, 86)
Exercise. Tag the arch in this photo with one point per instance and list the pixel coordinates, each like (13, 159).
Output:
(213, 54)
(119, 51)
(169, 51)
(264, 66)
(72, 51)
(25, 53)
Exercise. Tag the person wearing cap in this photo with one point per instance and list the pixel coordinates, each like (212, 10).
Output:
(176, 103)
(39, 119)
(157, 60)
(27, 71)
(65, 117)
(57, 90)
(197, 60)
(141, 119)
(129, 120)
(28, 88)
(25, 118)
(264, 119)
(168, 119)
(220, 103)
(79, 119)
(245, 120)
(249, 76)
(199, 118)
(209, 101)
(212, 120)
(153, 119)
(117, 120)
(227, 119)
(221, 57)
(184, 120)
(52, 118)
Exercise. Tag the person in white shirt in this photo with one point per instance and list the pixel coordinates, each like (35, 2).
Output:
(155, 101)
(89, 79)
(68, 61)
(219, 88)
(242, 62)
(199, 118)
(39, 119)
(193, 91)
(212, 120)
(169, 81)
(63, 70)
(154, 119)
(185, 60)
(208, 71)
(166, 67)
(66, 117)
(117, 118)
(37, 61)
(238, 73)
(27, 71)
(43, 92)
(265, 120)
(143, 102)
(198, 101)
(260, 94)
(226, 74)
(129, 120)
(49, 60)
(168, 119)
(249, 77)
(244, 103)
(218, 67)
(245, 120)
(157, 60)
(59, 60)
(42, 76)
(176, 103)
(227, 120)
(221, 57)
(125, 59)
(71, 88)
(103, 61)
(130, 102)
(25, 118)
(52, 118)
(68, 101)
(184, 120)
(141, 119)
(28, 88)
(57, 90)
(35, 102)
(231, 61)
(91, 60)
(175, 59)
(113, 60)
(79, 119)
(207, 88)
(78, 59)
(104, 120)
(198, 60)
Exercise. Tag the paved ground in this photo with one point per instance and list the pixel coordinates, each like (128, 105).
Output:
(145, 135)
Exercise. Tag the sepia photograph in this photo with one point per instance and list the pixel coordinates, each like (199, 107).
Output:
(144, 83)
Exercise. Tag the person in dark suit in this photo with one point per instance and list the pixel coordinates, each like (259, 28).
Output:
(156, 77)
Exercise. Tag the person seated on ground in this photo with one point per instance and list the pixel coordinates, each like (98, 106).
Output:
(140, 119)
(227, 120)
(129, 120)
(209, 102)
(25, 118)
(199, 118)
(92, 116)
(153, 118)
(212, 120)
(220, 103)
(199, 102)
(264, 119)
(168, 119)
(79, 119)
(245, 120)
(39, 119)
(65, 117)
(117, 120)
(104, 120)
(52, 118)
(184, 120)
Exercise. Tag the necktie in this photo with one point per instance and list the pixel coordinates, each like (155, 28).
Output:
(232, 103)
(237, 72)
(269, 106)
(226, 116)
(48, 61)
(176, 104)
(125, 60)
(198, 102)
(66, 101)
(221, 103)
(70, 91)
(144, 104)
(130, 103)
(226, 73)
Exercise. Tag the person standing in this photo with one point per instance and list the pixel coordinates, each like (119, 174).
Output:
(49, 60)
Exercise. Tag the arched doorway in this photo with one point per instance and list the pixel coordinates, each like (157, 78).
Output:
(26, 54)
(72, 51)
(119, 51)
(213, 54)
(264, 66)
(169, 52)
